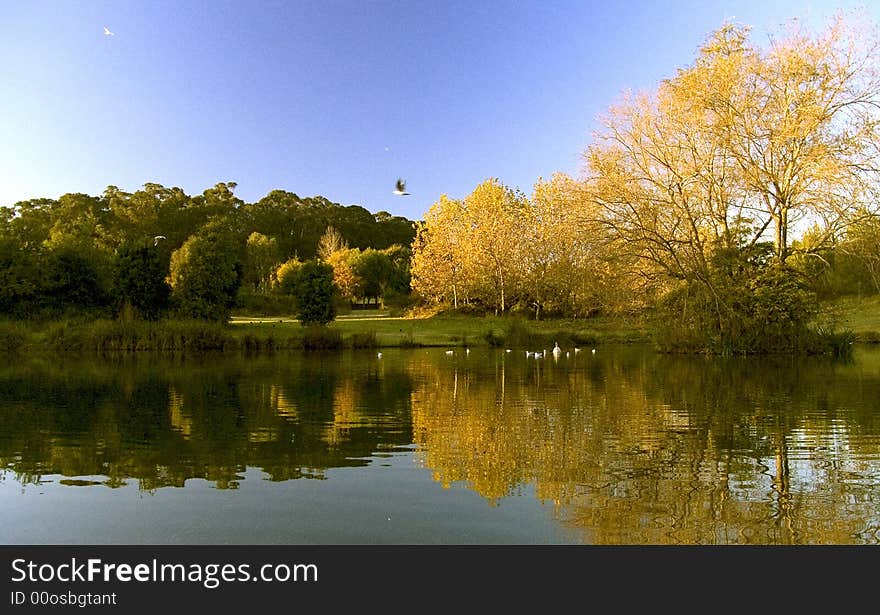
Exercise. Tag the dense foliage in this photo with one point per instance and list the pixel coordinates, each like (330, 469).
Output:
(139, 281)
(94, 255)
(312, 288)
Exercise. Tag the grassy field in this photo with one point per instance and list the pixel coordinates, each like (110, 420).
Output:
(861, 315)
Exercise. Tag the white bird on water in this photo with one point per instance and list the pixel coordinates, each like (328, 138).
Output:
(556, 349)
(400, 188)
(107, 31)
(379, 355)
(450, 352)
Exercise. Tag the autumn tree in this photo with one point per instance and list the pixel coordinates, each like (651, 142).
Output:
(799, 120)
(746, 141)
(438, 252)
(563, 250)
(739, 148)
(473, 246)
(495, 214)
(331, 242)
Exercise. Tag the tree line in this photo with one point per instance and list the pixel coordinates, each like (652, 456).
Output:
(159, 250)
(727, 201)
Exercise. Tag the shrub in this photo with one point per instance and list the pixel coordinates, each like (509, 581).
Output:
(319, 337)
(313, 291)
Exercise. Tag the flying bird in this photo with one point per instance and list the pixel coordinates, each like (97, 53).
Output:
(401, 188)
(157, 239)
(107, 31)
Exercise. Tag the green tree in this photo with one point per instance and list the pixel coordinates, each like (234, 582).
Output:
(862, 244)
(262, 261)
(74, 279)
(206, 273)
(313, 291)
(400, 257)
(78, 220)
(285, 276)
(32, 221)
(19, 278)
(373, 273)
(139, 281)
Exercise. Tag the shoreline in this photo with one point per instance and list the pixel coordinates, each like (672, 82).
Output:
(369, 331)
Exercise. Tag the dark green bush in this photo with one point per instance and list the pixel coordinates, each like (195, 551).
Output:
(313, 291)
(319, 337)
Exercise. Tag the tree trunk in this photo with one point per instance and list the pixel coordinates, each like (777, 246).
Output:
(781, 221)
(501, 278)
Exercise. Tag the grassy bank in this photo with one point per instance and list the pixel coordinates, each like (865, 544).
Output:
(361, 330)
(368, 329)
(452, 330)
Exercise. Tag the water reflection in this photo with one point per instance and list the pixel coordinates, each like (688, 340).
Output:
(622, 447)
(656, 449)
(161, 423)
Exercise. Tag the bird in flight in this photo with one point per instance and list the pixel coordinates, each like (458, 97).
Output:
(107, 31)
(401, 188)
(157, 239)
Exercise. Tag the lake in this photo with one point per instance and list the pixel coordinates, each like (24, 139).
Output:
(621, 446)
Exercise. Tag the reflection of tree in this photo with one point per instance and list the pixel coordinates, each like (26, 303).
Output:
(625, 446)
(650, 449)
(162, 422)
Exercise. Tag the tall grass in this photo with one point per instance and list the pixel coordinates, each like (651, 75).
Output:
(134, 335)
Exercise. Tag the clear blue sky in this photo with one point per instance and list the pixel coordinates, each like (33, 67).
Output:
(332, 97)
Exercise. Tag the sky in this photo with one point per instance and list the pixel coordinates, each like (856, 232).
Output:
(334, 97)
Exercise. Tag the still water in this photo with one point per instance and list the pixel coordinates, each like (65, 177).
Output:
(623, 446)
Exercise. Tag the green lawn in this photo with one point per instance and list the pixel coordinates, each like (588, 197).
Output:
(859, 314)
